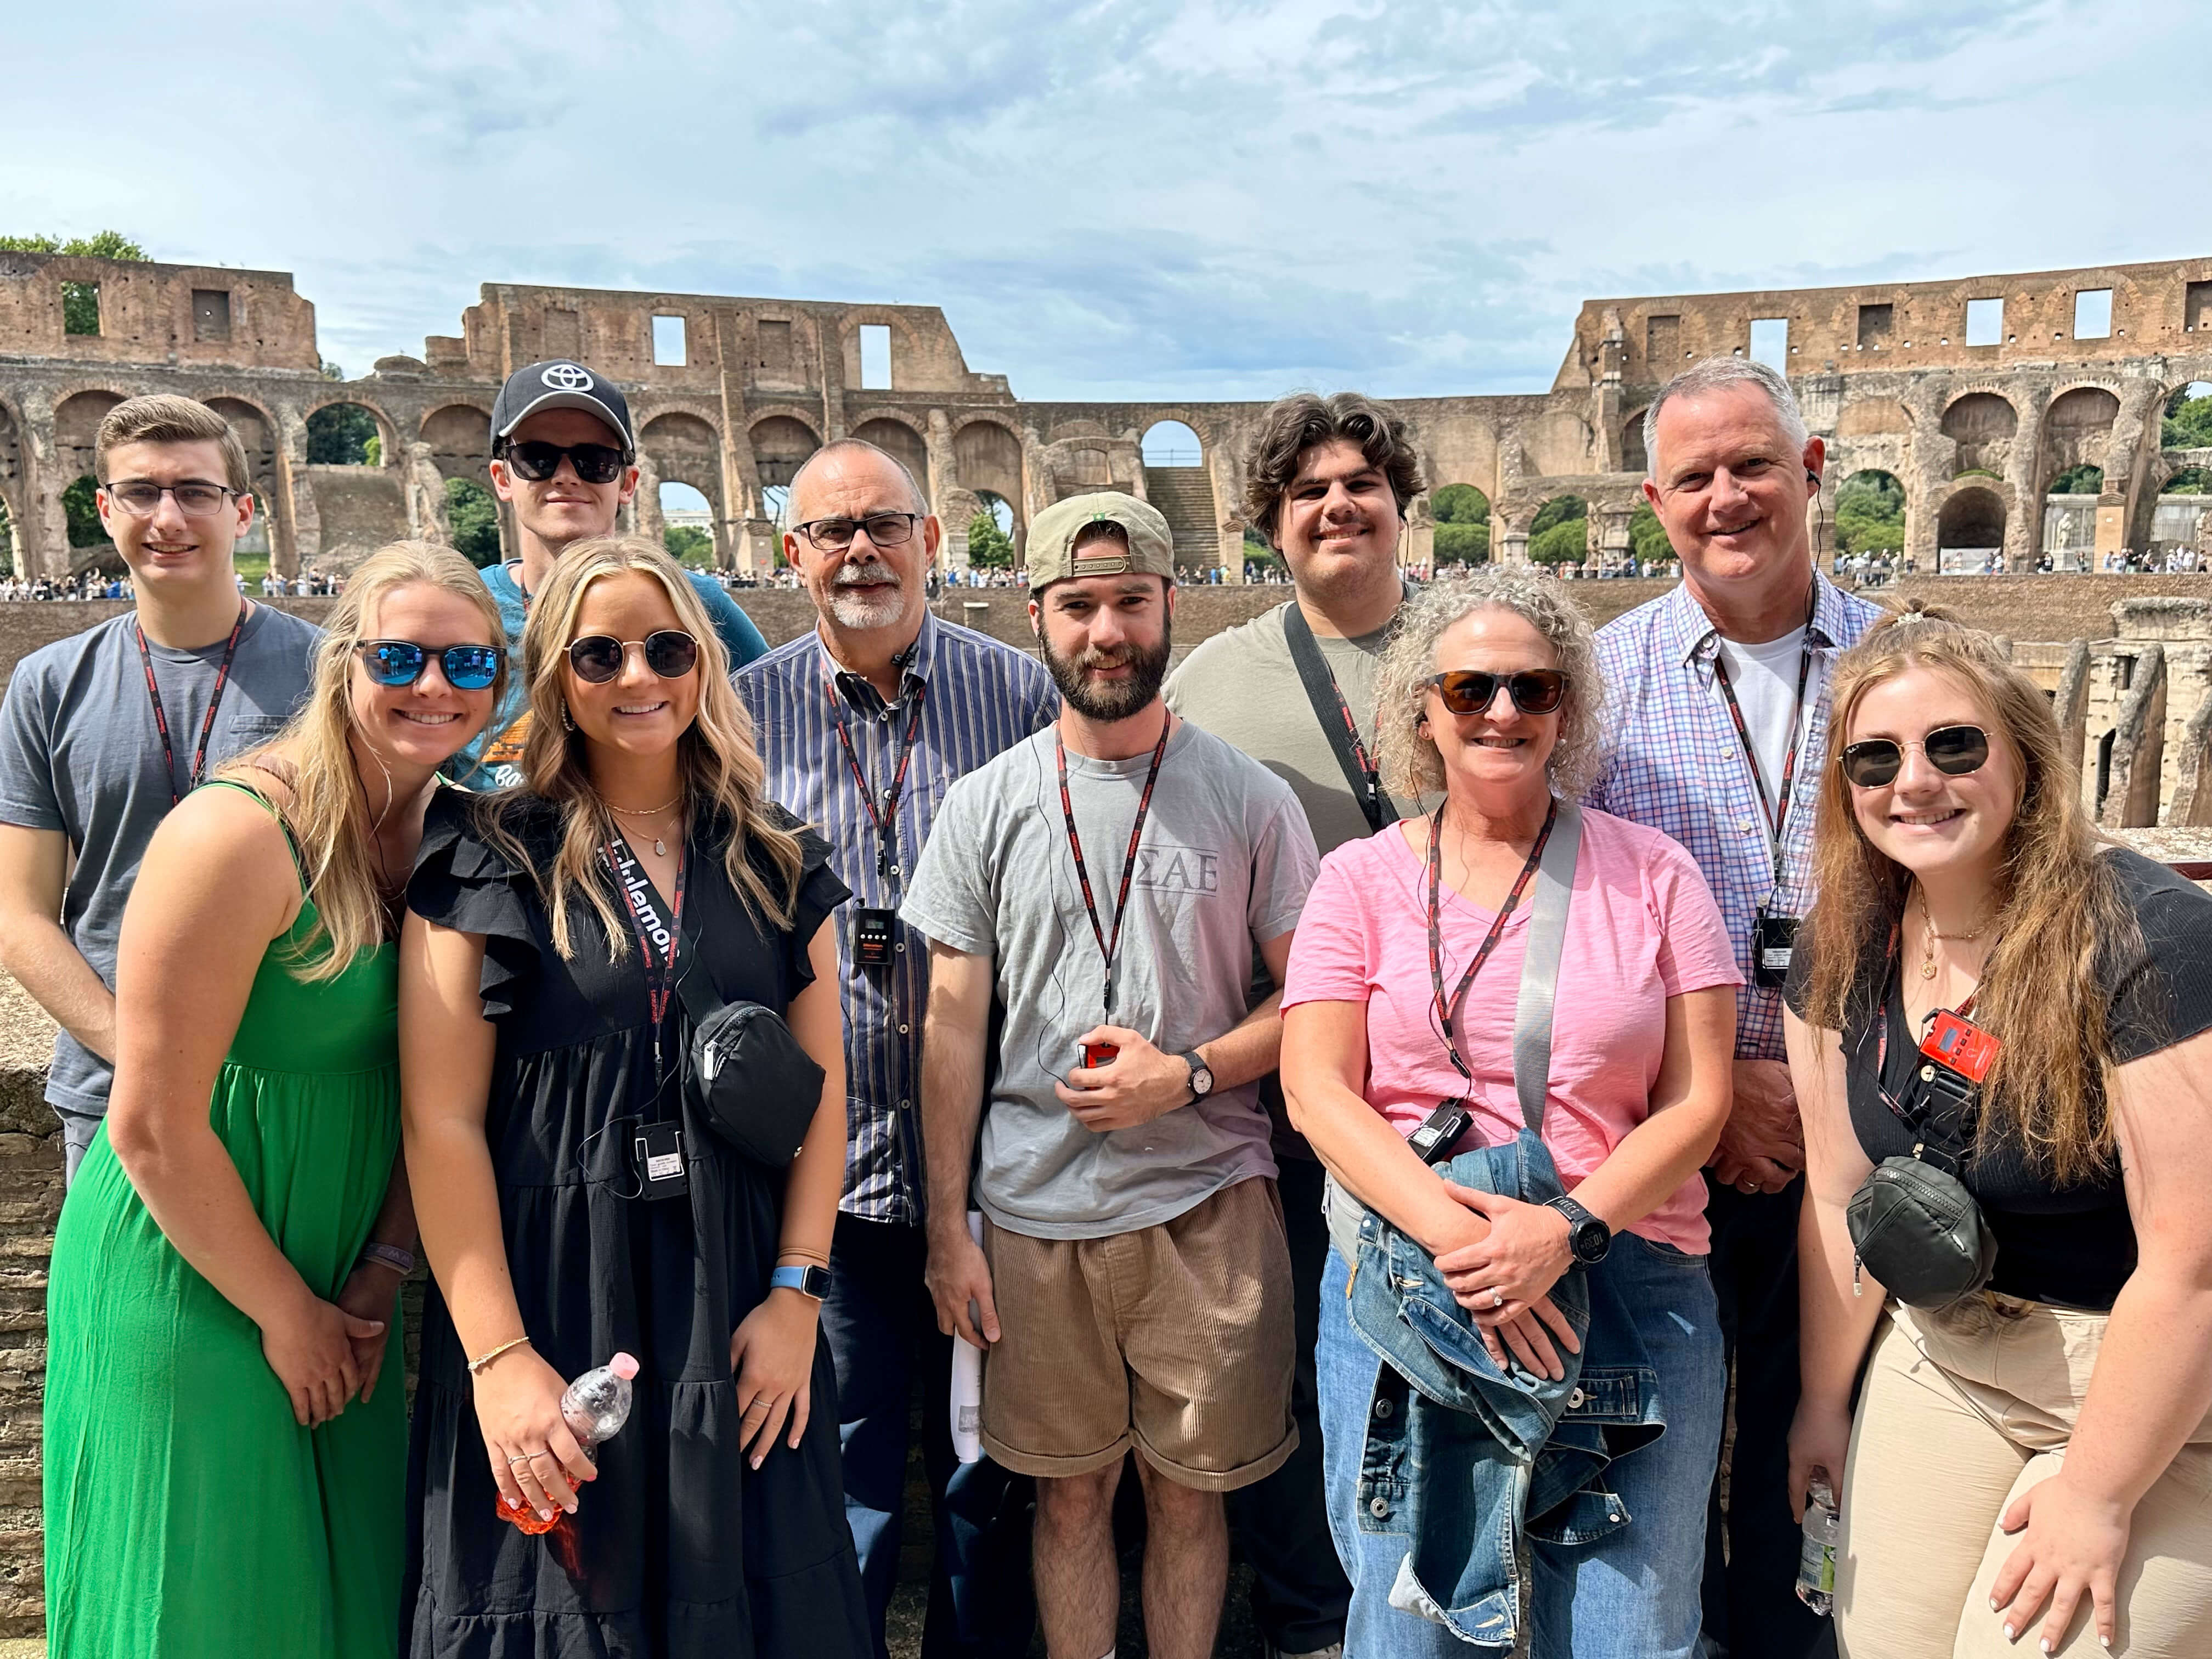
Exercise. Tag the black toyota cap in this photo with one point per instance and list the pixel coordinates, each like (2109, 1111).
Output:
(559, 384)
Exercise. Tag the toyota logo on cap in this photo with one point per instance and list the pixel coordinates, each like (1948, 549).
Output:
(566, 377)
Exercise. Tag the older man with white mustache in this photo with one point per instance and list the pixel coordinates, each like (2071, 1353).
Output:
(862, 725)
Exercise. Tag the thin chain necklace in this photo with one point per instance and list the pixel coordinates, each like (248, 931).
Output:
(1929, 935)
(659, 843)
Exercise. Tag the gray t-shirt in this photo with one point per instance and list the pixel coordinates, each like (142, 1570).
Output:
(1243, 687)
(80, 753)
(1224, 863)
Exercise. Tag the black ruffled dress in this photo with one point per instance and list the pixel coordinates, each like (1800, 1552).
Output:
(677, 1550)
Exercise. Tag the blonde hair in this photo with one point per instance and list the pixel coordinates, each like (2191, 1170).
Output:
(1408, 762)
(720, 768)
(2060, 916)
(165, 418)
(327, 813)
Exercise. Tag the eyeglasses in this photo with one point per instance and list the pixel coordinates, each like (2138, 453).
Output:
(670, 653)
(142, 500)
(401, 662)
(598, 464)
(1472, 690)
(884, 530)
(1953, 751)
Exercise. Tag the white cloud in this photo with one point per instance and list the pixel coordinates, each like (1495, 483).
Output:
(1222, 198)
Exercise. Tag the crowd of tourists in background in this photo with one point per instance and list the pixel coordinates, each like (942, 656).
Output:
(1680, 1139)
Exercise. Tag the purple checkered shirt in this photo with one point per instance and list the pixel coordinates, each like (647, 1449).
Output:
(1678, 765)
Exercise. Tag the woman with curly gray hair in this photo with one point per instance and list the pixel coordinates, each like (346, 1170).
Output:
(1565, 1245)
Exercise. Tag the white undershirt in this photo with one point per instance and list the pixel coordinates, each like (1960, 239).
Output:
(1765, 678)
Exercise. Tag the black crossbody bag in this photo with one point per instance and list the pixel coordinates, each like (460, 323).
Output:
(744, 1073)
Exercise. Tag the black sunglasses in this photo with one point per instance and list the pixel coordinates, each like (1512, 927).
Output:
(401, 662)
(1955, 750)
(669, 652)
(598, 464)
(1471, 691)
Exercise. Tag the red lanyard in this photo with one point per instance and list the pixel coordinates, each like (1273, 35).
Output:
(886, 821)
(207, 726)
(1109, 947)
(1371, 801)
(1445, 1003)
(644, 920)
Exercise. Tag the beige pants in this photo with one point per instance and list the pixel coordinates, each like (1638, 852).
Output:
(1962, 1411)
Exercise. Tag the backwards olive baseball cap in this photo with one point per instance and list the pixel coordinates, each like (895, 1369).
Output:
(1150, 549)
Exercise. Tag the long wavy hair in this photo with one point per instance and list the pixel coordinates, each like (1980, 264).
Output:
(2061, 920)
(1409, 762)
(721, 770)
(328, 811)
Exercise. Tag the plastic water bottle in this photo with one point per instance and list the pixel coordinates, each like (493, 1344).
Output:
(1816, 1551)
(967, 1407)
(595, 1406)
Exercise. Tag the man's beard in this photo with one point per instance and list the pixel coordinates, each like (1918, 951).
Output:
(1110, 700)
(854, 609)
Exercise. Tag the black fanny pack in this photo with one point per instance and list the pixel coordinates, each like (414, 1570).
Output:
(747, 1076)
(1913, 1223)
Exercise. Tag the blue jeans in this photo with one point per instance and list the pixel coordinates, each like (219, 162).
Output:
(1632, 1594)
(882, 1327)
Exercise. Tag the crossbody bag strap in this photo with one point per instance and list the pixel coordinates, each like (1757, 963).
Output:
(1330, 708)
(1539, 967)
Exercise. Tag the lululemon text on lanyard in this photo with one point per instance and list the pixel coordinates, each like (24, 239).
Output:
(656, 939)
(207, 726)
(1775, 811)
(884, 818)
(1109, 946)
(1444, 1004)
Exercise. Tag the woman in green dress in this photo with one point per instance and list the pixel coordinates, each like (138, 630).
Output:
(225, 1464)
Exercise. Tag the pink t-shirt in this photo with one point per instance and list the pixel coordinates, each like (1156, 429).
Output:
(1641, 927)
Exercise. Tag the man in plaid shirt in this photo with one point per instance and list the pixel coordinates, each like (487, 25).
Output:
(1717, 694)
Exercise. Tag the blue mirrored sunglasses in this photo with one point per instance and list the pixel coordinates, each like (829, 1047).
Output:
(401, 662)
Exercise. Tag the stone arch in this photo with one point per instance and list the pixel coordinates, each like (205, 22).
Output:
(76, 430)
(1633, 456)
(684, 449)
(898, 438)
(988, 455)
(1982, 425)
(1171, 442)
(336, 433)
(459, 436)
(14, 531)
(1971, 522)
(781, 445)
(259, 436)
(2077, 429)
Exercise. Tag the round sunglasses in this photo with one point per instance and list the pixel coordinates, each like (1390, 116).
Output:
(1953, 751)
(1472, 690)
(401, 662)
(670, 653)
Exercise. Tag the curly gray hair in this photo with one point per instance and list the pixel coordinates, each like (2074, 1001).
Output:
(1409, 762)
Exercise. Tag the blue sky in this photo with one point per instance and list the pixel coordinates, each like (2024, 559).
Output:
(1139, 199)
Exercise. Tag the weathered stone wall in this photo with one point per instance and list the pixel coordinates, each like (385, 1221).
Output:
(30, 1200)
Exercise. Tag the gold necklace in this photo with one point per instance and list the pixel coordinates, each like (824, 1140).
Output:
(659, 844)
(1928, 937)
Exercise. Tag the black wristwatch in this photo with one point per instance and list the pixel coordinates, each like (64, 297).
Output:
(1201, 1075)
(1589, 1239)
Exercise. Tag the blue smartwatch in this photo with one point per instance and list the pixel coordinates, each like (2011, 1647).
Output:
(807, 1281)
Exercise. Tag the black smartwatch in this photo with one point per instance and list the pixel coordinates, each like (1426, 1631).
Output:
(1201, 1075)
(1589, 1239)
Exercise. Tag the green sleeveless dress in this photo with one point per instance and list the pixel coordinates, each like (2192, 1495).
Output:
(187, 1513)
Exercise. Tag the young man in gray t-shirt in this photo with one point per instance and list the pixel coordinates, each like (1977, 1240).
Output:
(1108, 881)
(102, 732)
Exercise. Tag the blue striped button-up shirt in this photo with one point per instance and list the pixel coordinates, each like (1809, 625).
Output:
(1678, 765)
(978, 698)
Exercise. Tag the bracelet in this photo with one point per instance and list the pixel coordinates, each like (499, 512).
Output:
(815, 1256)
(389, 1256)
(477, 1365)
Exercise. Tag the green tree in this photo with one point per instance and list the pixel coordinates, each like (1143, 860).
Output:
(988, 545)
(85, 529)
(1870, 514)
(687, 543)
(1257, 550)
(1647, 536)
(472, 515)
(2190, 481)
(1459, 543)
(343, 434)
(1563, 542)
(2188, 423)
(2082, 480)
(1459, 503)
(1557, 510)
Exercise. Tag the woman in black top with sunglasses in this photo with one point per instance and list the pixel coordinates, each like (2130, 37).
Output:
(574, 1204)
(2032, 1460)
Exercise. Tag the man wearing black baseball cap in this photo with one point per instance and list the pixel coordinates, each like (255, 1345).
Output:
(564, 457)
